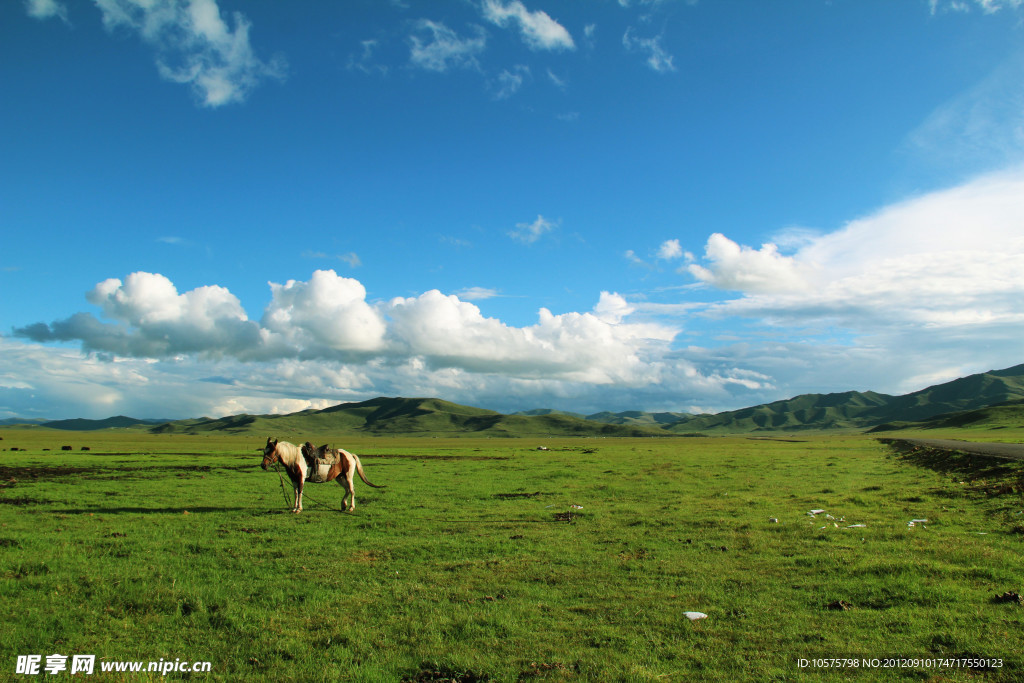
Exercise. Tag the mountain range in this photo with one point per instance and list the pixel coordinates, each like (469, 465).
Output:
(995, 395)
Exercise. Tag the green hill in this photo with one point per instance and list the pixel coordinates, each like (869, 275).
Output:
(406, 416)
(860, 410)
(637, 417)
(999, 416)
(847, 410)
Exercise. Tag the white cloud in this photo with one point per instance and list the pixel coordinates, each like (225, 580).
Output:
(328, 314)
(612, 308)
(658, 59)
(46, 9)
(583, 347)
(528, 233)
(540, 31)
(329, 319)
(741, 268)
(670, 249)
(195, 46)
(439, 48)
(952, 259)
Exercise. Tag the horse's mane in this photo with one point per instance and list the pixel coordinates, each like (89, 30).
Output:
(288, 452)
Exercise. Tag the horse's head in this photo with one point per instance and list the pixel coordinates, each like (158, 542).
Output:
(270, 455)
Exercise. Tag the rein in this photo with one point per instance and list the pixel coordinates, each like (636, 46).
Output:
(305, 496)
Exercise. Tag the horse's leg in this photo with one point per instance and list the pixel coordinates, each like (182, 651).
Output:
(350, 486)
(297, 482)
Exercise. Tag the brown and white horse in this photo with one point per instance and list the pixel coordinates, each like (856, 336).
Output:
(290, 456)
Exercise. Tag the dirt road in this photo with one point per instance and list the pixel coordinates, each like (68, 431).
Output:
(1010, 451)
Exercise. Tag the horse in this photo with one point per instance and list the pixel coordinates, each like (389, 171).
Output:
(299, 470)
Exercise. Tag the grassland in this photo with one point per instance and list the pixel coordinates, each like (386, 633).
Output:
(469, 567)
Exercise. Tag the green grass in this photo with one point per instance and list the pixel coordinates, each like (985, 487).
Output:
(460, 569)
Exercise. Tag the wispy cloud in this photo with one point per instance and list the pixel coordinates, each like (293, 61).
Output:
(477, 293)
(351, 258)
(436, 47)
(986, 6)
(195, 46)
(364, 59)
(509, 81)
(978, 129)
(539, 31)
(658, 59)
(528, 233)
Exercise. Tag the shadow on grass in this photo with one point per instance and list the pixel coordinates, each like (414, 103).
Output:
(149, 511)
(968, 466)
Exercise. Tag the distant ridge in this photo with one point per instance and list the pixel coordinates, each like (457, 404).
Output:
(408, 417)
(84, 425)
(995, 397)
(862, 410)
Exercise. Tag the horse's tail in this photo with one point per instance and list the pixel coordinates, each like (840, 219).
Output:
(359, 469)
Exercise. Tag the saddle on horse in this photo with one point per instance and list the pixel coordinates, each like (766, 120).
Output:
(317, 458)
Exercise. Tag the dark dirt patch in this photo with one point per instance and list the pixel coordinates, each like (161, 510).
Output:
(20, 501)
(519, 495)
(11, 475)
(47, 472)
(543, 670)
(840, 605)
(433, 673)
(9, 543)
(407, 456)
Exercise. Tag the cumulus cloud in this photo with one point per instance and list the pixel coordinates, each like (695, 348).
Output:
(741, 268)
(658, 59)
(587, 347)
(327, 314)
(195, 46)
(948, 259)
(528, 233)
(438, 48)
(539, 31)
(328, 318)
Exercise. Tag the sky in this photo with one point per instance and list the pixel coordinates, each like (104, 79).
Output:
(212, 207)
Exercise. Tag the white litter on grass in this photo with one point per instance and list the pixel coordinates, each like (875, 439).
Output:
(856, 526)
(815, 512)
(694, 616)
(773, 520)
(918, 521)
(577, 507)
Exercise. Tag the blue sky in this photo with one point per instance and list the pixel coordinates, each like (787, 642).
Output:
(212, 207)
